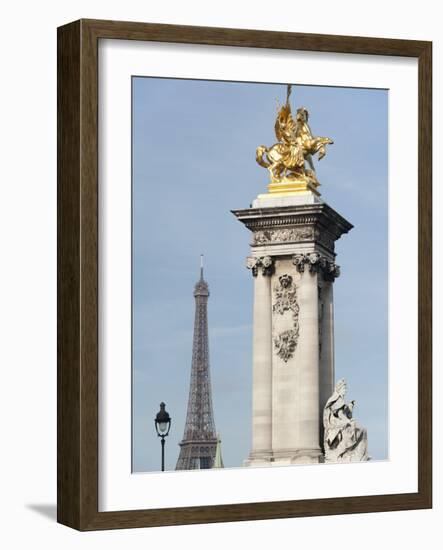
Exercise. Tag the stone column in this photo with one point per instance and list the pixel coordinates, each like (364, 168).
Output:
(293, 356)
(285, 380)
(261, 451)
(307, 364)
(327, 370)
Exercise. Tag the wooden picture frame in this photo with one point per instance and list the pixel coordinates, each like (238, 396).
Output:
(77, 456)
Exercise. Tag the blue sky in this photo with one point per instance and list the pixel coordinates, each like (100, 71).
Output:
(193, 162)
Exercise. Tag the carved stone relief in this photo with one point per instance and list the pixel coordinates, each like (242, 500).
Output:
(285, 344)
(283, 235)
(285, 300)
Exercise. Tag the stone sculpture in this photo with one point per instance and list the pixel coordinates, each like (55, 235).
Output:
(344, 439)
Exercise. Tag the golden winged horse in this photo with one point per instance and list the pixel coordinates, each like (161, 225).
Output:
(296, 145)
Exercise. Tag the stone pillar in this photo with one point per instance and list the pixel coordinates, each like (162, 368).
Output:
(293, 262)
(261, 451)
(285, 375)
(307, 392)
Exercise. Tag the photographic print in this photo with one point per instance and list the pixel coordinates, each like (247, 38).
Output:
(259, 274)
(241, 314)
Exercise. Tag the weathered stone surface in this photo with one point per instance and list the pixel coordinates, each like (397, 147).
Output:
(293, 266)
(345, 440)
(261, 359)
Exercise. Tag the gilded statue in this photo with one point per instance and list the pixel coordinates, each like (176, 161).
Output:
(290, 160)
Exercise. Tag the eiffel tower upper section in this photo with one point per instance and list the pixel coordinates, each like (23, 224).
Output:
(198, 447)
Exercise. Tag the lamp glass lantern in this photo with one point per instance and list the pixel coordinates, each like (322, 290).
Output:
(162, 421)
(162, 427)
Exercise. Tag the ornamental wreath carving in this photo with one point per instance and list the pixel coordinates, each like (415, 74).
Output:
(285, 300)
(316, 264)
(285, 344)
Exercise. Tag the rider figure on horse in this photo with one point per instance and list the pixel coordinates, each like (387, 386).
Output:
(286, 159)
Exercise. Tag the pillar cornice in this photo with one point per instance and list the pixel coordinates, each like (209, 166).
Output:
(301, 214)
(303, 223)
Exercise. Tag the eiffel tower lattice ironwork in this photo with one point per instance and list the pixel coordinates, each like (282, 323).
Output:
(199, 443)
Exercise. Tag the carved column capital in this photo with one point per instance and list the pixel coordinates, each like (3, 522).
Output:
(316, 263)
(265, 263)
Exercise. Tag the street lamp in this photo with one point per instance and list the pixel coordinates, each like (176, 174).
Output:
(162, 426)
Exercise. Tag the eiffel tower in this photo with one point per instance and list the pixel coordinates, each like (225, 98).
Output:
(199, 443)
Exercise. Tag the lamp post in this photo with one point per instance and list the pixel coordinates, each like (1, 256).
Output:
(162, 426)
